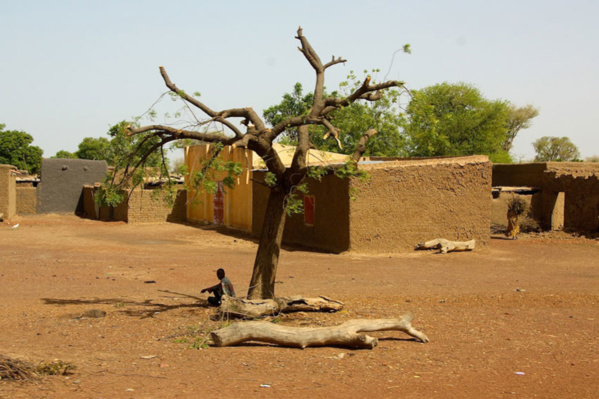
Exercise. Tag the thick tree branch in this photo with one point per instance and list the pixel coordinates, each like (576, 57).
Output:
(207, 110)
(309, 52)
(178, 134)
(332, 131)
(346, 334)
(301, 152)
(361, 146)
(364, 92)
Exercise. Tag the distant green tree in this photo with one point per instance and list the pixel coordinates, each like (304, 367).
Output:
(94, 148)
(16, 150)
(65, 155)
(293, 104)
(455, 119)
(518, 118)
(555, 149)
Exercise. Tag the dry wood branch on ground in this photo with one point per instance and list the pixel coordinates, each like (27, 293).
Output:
(346, 334)
(445, 246)
(245, 308)
(12, 369)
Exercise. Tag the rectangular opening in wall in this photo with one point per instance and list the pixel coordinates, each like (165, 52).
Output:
(557, 215)
(309, 204)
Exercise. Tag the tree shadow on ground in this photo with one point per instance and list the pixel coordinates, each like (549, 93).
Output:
(399, 339)
(502, 238)
(246, 236)
(145, 309)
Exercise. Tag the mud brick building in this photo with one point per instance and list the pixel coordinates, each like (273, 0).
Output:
(563, 194)
(404, 202)
(8, 191)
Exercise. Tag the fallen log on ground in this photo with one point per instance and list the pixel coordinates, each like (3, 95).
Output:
(346, 334)
(245, 308)
(445, 246)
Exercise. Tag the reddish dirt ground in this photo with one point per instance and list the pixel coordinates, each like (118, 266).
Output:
(518, 320)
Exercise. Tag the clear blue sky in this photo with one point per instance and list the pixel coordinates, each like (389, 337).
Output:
(70, 69)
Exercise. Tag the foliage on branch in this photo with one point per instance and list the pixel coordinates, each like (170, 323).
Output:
(385, 115)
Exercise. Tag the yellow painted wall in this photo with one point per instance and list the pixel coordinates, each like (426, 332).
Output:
(237, 201)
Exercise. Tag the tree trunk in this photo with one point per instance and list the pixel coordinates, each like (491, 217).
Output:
(262, 284)
(238, 307)
(346, 334)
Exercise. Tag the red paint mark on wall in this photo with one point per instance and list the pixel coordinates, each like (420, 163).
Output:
(219, 205)
(309, 204)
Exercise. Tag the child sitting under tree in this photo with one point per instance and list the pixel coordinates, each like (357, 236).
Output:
(224, 287)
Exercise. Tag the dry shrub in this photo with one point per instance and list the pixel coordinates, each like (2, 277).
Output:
(12, 369)
(17, 370)
(529, 225)
(517, 205)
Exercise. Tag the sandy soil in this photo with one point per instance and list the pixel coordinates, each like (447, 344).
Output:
(520, 320)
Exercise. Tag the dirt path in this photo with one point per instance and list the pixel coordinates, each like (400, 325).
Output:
(518, 321)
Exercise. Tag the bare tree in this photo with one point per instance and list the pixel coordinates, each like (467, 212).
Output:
(519, 118)
(256, 136)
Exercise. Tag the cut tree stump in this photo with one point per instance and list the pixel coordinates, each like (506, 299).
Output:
(346, 334)
(445, 246)
(245, 308)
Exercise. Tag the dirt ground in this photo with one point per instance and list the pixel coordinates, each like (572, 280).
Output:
(519, 320)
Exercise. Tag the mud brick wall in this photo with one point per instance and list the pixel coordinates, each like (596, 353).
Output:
(407, 202)
(8, 191)
(569, 191)
(579, 183)
(26, 200)
(330, 230)
(403, 203)
(144, 208)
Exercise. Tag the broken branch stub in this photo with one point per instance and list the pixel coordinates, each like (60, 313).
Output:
(346, 334)
(445, 246)
(245, 308)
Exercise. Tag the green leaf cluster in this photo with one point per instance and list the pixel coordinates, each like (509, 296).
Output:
(353, 121)
(455, 119)
(128, 150)
(16, 150)
(125, 153)
(94, 148)
(213, 170)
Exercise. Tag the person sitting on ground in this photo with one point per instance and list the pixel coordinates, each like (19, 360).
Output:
(225, 287)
